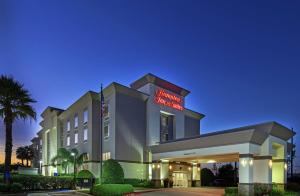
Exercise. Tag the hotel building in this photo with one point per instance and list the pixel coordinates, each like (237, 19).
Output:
(150, 132)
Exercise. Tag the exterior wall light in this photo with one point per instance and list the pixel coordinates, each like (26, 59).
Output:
(170, 167)
(285, 166)
(251, 162)
(189, 168)
(158, 166)
(244, 162)
(270, 163)
(153, 166)
(198, 168)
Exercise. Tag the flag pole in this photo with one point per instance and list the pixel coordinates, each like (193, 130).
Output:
(101, 123)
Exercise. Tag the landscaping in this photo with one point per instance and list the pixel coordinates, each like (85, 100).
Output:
(36, 182)
(260, 190)
(111, 189)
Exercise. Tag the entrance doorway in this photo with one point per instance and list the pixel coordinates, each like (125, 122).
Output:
(180, 179)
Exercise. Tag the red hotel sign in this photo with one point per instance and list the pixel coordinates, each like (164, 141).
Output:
(164, 98)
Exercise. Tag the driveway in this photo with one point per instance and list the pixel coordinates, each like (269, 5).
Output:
(187, 192)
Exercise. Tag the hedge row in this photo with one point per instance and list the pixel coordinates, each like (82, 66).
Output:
(111, 189)
(37, 182)
(139, 182)
(12, 188)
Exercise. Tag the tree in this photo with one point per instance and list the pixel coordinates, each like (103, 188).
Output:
(65, 158)
(15, 103)
(21, 154)
(112, 172)
(29, 155)
(207, 177)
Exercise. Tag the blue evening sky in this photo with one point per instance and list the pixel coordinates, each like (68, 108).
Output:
(239, 59)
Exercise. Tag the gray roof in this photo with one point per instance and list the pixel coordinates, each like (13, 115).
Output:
(255, 134)
(150, 78)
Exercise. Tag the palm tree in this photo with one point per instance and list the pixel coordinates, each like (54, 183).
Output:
(15, 103)
(21, 154)
(66, 157)
(28, 155)
(63, 157)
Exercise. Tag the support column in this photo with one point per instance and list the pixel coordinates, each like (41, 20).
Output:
(279, 173)
(164, 171)
(196, 175)
(156, 179)
(246, 186)
(262, 171)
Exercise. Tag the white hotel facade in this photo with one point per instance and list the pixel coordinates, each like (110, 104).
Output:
(148, 129)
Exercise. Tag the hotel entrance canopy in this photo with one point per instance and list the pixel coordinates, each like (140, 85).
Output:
(243, 140)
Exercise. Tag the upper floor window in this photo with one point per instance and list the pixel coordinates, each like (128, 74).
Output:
(37, 147)
(76, 121)
(68, 125)
(106, 156)
(76, 138)
(85, 134)
(68, 140)
(106, 110)
(41, 142)
(106, 130)
(85, 116)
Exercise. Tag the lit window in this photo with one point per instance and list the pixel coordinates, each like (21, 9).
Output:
(85, 134)
(68, 125)
(76, 138)
(37, 147)
(106, 130)
(41, 142)
(68, 141)
(85, 116)
(106, 156)
(76, 121)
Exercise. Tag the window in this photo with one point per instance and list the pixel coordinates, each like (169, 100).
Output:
(85, 134)
(68, 125)
(106, 130)
(166, 127)
(76, 138)
(106, 110)
(68, 140)
(76, 121)
(37, 147)
(106, 156)
(85, 116)
(41, 142)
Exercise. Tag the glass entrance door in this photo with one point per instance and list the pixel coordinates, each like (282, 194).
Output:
(180, 179)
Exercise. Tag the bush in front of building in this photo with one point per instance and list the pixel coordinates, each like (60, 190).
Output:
(231, 191)
(207, 177)
(111, 189)
(4, 187)
(38, 182)
(139, 182)
(11, 188)
(112, 172)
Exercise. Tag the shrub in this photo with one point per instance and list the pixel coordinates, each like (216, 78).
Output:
(231, 191)
(37, 182)
(4, 187)
(85, 174)
(16, 187)
(207, 177)
(112, 172)
(111, 189)
(262, 189)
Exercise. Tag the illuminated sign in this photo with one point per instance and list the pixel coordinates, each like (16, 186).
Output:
(164, 98)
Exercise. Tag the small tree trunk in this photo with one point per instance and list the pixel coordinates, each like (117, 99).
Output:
(8, 146)
(22, 162)
(26, 162)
